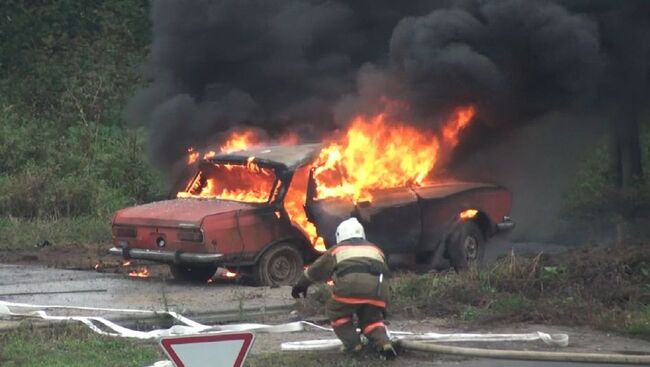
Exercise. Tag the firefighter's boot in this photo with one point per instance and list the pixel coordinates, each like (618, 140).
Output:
(346, 331)
(387, 352)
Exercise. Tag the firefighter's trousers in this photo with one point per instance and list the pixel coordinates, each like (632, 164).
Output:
(371, 323)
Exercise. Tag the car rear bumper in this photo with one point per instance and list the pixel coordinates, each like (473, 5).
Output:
(506, 224)
(175, 257)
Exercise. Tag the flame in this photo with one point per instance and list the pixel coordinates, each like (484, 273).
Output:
(468, 214)
(375, 153)
(247, 183)
(140, 273)
(240, 141)
(229, 274)
(126, 263)
(378, 153)
(459, 120)
(294, 203)
(192, 155)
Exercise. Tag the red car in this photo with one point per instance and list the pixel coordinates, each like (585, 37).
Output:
(267, 231)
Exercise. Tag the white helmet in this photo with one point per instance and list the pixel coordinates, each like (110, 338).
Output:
(349, 228)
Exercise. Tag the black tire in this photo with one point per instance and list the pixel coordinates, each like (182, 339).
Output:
(192, 273)
(282, 264)
(466, 246)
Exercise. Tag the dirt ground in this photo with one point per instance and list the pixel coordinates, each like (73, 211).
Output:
(79, 257)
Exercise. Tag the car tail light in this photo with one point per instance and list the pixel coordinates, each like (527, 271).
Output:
(125, 232)
(192, 235)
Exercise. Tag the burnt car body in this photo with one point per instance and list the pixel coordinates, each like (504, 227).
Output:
(195, 235)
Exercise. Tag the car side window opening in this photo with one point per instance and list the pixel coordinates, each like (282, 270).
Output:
(247, 183)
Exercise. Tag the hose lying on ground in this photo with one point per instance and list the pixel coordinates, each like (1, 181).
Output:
(526, 355)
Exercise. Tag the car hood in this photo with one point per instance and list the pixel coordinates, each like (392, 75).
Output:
(176, 212)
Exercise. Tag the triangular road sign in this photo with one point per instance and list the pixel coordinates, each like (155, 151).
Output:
(208, 350)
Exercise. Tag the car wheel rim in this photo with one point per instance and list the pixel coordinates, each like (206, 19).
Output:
(471, 248)
(281, 268)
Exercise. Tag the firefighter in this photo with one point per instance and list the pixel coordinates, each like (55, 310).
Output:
(359, 271)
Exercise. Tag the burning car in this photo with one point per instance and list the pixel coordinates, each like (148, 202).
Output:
(266, 212)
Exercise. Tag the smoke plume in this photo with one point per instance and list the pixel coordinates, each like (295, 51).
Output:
(308, 66)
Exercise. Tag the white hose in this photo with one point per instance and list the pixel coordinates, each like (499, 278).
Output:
(408, 340)
(527, 355)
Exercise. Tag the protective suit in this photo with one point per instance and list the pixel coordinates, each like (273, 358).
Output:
(359, 271)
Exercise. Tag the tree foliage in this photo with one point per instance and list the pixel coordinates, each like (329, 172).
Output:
(66, 70)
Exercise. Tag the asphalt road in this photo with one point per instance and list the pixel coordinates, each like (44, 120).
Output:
(50, 286)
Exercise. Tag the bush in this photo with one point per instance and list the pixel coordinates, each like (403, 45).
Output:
(66, 71)
(595, 206)
(607, 288)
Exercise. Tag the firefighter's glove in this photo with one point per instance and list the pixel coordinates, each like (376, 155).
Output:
(299, 289)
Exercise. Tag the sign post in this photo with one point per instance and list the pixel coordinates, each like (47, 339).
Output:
(208, 350)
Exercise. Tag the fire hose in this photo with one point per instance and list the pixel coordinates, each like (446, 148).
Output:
(526, 355)
(424, 343)
(407, 340)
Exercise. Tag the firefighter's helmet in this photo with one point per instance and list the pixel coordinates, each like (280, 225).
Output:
(349, 228)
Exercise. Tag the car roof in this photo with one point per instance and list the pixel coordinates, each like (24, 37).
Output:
(287, 156)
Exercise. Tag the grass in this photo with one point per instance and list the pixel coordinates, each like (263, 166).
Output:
(77, 346)
(313, 359)
(605, 288)
(18, 233)
(72, 346)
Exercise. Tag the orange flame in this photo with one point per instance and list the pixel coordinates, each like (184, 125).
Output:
(460, 119)
(375, 153)
(294, 202)
(140, 273)
(468, 214)
(247, 183)
(240, 141)
(192, 155)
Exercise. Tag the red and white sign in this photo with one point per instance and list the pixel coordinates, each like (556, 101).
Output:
(208, 350)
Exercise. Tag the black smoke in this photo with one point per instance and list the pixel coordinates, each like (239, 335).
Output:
(307, 66)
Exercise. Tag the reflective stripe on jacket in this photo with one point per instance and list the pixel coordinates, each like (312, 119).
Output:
(353, 287)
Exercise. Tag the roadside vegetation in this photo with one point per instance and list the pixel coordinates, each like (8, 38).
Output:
(69, 160)
(596, 207)
(68, 345)
(72, 346)
(606, 288)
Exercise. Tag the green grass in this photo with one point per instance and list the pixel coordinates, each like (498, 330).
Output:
(18, 233)
(604, 288)
(313, 359)
(73, 346)
(639, 323)
(76, 346)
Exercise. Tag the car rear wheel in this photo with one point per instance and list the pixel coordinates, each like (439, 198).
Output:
(466, 246)
(282, 264)
(192, 273)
